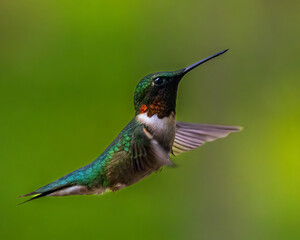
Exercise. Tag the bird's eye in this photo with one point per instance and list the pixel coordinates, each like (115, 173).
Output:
(159, 81)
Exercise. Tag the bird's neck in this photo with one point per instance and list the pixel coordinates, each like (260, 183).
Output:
(154, 122)
(162, 105)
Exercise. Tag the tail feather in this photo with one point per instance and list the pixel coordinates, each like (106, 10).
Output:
(41, 194)
(74, 183)
(67, 181)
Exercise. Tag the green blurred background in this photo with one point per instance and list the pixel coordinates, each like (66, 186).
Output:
(68, 70)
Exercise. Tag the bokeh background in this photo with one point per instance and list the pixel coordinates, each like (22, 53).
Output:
(68, 70)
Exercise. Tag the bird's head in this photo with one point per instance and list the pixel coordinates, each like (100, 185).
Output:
(156, 92)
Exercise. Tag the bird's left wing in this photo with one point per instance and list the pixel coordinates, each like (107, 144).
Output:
(192, 135)
(145, 151)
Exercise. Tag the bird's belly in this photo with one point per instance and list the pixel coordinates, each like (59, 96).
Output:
(130, 180)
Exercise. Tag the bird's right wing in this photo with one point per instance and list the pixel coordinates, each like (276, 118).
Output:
(146, 152)
(192, 135)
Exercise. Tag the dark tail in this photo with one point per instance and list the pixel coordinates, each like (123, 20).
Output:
(40, 194)
(74, 183)
(54, 188)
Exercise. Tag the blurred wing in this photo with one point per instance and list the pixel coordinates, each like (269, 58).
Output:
(145, 151)
(192, 135)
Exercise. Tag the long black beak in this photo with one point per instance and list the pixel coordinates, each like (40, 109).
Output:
(189, 68)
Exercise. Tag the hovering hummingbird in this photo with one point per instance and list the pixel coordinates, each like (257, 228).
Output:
(145, 144)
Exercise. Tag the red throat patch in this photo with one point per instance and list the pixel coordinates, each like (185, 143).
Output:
(143, 108)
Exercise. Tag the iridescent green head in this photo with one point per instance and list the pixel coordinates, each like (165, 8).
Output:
(156, 93)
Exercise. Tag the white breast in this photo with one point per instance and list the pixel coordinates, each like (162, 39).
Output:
(162, 129)
(163, 124)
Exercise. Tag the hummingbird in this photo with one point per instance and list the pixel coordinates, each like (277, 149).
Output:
(144, 146)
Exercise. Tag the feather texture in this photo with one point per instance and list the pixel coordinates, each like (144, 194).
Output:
(192, 135)
(146, 152)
